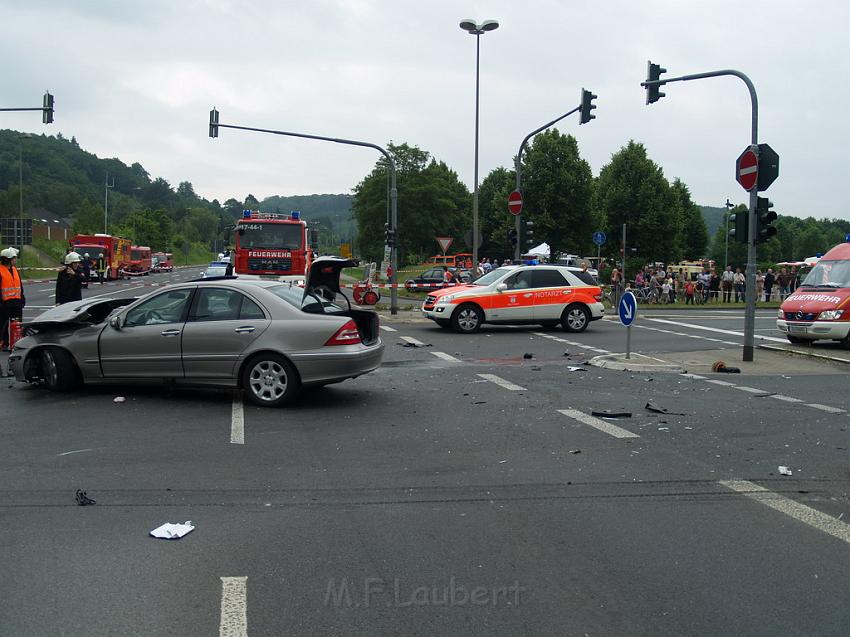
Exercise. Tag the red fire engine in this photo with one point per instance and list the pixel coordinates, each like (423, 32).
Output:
(272, 244)
(140, 261)
(164, 262)
(115, 250)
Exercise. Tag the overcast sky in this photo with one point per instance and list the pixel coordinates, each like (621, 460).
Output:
(136, 80)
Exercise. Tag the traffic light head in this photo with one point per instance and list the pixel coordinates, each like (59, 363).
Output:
(527, 233)
(653, 74)
(47, 109)
(587, 105)
(740, 226)
(512, 237)
(764, 220)
(390, 235)
(213, 123)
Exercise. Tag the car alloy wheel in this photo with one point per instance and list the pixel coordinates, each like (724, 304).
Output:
(576, 318)
(270, 380)
(467, 319)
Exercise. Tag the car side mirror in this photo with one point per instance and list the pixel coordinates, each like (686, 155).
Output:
(501, 287)
(115, 322)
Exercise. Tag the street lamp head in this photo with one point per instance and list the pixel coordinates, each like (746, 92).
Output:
(489, 25)
(469, 25)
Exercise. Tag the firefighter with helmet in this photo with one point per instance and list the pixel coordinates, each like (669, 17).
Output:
(12, 300)
(69, 282)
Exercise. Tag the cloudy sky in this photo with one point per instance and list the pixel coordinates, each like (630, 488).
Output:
(136, 80)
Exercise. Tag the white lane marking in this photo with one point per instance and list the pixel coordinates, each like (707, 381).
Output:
(714, 329)
(787, 399)
(68, 453)
(237, 421)
(388, 328)
(446, 357)
(598, 423)
(411, 340)
(599, 351)
(814, 518)
(751, 390)
(694, 376)
(722, 383)
(234, 607)
(826, 408)
(46, 290)
(501, 382)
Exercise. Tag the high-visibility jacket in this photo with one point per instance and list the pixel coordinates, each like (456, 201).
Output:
(101, 264)
(10, 284)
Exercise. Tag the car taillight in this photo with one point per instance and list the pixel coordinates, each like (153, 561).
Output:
(346, 335)
(598, 296)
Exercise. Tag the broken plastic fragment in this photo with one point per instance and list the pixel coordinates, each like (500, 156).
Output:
(169, 531)
(607, 413)
(119, 399)
(785, 471)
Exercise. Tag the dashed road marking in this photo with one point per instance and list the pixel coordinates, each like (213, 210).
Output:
(722, 383)
(598, 423)
(388, 328)
(714, 329)
(234, 607)
(411, 340)
(826, 408)
(694, 376)
(751, 390)
(814, 518)
(446, 357)
(237, 421)
(501, 382)
(787, 399)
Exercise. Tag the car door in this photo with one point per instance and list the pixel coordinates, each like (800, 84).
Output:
(552, 293)
(516, 303)
(222, 323)
(145, 340)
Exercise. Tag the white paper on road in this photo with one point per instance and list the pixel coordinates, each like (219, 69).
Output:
(785, 471)
(169, 531)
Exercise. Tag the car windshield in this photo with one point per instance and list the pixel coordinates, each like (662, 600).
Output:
(493, 275)
(294, 295)
(833, 274)
(216, 271)
(270, 235)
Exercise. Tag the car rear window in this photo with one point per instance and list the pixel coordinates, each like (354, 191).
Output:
(585, 277)
(548, 279)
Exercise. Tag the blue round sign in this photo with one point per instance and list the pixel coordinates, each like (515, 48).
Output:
(627, 308)
(599, 238)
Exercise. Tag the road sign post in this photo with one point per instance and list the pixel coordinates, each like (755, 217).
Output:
(627, 310)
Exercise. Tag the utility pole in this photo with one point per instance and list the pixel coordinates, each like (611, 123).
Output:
(106, 201)
(729, 207)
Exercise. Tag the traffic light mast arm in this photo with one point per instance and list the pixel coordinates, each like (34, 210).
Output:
(44, 109)
(518, 160)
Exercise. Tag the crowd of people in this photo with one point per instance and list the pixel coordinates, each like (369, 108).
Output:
(657, 285)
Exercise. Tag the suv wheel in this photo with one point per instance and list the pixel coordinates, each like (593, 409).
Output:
(575, 318)
(467, 319)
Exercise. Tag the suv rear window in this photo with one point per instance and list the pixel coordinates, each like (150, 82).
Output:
(585, 277)
(548, 279)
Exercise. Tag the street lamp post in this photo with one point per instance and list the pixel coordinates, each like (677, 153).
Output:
(729, 207)
(471, 27)
(106, 201)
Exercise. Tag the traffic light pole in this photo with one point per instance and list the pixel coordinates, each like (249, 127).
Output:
(750, 310)
(215, 125)
(518, 171)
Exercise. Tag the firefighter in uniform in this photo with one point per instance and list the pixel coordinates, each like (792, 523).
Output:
(101, 267)
(12, 298)
(69, 282)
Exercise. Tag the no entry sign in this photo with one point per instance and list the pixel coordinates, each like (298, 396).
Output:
(747, 169)
(515, 202)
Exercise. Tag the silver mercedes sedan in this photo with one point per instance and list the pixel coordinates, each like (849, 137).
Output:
(266, 337)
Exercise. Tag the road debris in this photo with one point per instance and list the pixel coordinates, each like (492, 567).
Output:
(82, 499)
(528, 355)
(169, 531)
(662, 410)
(607, 413)
(119, 399)
(575, 451)
(574, 368)
(785, 471)
(405, 344)
(721, 368)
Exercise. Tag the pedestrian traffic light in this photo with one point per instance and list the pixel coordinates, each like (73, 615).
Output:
(390, 239)
(512, 237)
(587, 105)
(740, 226)
(653, 74)
(764, 218)
(47, 109)
(213, 123)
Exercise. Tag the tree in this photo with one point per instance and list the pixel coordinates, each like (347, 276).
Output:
(694, 232)
(494, 219)
(557, 189)
(88, 218)
(631, 189)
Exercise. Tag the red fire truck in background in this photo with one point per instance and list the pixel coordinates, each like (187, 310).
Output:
(162, 262)
(115, 250)
(272, 244)
(140, 261)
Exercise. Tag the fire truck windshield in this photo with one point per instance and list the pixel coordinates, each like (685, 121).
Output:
(270, 235)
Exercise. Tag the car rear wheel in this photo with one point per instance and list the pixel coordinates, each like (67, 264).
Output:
(467, 319)
(58, 370)
(270, 380)
(575, 318)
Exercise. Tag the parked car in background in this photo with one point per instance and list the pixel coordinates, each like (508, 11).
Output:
(435, 278)
(266, 337)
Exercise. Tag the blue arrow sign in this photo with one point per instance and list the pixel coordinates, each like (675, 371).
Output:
(599, 238)
(627, 308)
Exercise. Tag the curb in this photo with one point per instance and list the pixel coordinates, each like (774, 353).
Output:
(805, 354)
(637, 363)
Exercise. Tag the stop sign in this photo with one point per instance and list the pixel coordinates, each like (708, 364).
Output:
(515, 202)
(747, 169)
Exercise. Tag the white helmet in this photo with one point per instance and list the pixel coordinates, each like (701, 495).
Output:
(72, 257)
(9, 253)
(86, 255)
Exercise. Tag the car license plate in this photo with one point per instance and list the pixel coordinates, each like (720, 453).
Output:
(797, 329)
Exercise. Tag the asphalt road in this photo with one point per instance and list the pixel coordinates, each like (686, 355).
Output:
(460, 489)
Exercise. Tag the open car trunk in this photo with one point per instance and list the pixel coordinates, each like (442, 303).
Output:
(367, 322)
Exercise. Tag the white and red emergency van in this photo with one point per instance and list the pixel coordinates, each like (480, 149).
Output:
(819, 309)
(547, 295)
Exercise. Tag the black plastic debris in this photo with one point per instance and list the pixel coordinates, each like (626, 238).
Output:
(662, 410)
(82, 499)
(721, 368)
(607, 413)
(575, 451)
(528, 355)
(405, 344)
